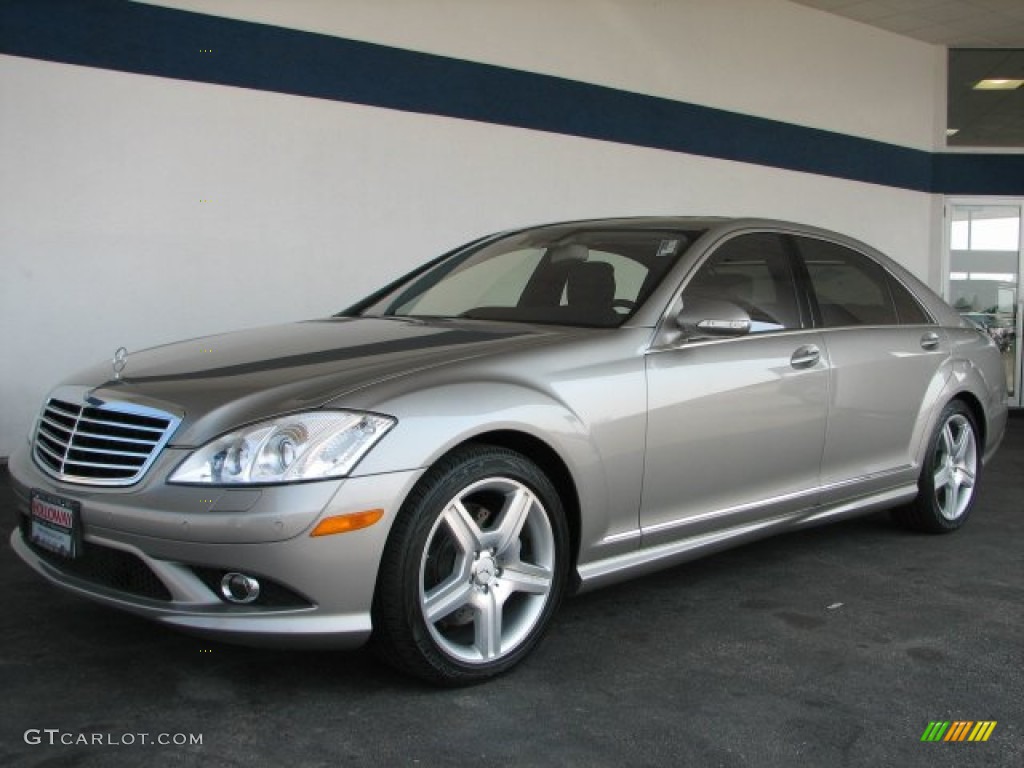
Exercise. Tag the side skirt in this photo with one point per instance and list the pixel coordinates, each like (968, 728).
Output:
(611, 570)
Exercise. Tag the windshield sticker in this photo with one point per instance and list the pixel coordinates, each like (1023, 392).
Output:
(668, 248)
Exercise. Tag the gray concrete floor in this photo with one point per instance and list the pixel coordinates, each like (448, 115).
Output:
(830, 647)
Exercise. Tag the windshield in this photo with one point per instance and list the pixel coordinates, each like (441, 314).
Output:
(587, 278)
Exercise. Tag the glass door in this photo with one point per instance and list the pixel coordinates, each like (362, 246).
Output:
(983, 279)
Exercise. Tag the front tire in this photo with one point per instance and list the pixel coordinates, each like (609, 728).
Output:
(473, 570)
(949, 475)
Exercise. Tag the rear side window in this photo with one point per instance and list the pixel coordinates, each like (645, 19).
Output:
(908, 308)
(850, 288)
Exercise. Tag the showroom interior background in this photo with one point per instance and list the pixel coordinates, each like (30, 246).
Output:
(191, 167)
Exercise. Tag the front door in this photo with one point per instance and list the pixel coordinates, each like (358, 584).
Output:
(736, 426)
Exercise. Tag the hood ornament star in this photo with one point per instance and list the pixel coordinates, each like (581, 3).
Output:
(120, 361)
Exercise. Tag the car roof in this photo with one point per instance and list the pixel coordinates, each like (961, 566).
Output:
(715, 225)
(636, 222)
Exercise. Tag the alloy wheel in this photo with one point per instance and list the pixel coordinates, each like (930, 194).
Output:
(487, 570)
(955, 466)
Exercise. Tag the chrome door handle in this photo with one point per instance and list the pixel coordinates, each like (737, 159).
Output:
(930, 340)
(805, 356)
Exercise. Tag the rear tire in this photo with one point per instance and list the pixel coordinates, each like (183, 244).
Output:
(473, 570)
(949, 475)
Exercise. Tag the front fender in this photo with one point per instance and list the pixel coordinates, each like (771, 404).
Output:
(599, 439)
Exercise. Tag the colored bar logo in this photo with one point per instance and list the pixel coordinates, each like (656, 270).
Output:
(958, 730)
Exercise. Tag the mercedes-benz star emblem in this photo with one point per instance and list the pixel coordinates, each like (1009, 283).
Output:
(120, 361)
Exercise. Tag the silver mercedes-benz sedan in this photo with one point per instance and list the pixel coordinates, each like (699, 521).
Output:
(539, 412)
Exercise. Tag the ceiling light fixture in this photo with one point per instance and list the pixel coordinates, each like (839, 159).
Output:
(998, 84)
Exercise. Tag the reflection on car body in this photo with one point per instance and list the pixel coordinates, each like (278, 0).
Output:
(1001, 331)
(542, 411)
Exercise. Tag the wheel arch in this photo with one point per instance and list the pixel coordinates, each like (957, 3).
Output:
(403, 635)
(934, 413)
(559, 435)
(983, 392)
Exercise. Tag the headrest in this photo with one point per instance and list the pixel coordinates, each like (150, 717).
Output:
(591, 283)
(570, 253)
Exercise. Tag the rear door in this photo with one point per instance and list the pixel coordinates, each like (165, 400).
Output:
(736, 425)
(885, 353)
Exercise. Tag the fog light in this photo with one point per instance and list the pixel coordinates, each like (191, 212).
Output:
(239, 588)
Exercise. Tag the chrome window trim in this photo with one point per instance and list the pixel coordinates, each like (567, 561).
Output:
(677, 344)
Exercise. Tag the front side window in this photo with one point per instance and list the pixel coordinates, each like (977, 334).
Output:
(557, 276)
(850, 288)
(753, 272)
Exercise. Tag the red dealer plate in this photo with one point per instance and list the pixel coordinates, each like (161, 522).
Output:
(53, 523)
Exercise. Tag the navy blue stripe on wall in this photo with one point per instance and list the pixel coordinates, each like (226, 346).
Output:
(150, 40)
(982, 174)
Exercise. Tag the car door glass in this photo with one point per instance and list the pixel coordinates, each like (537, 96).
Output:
(908, 308)
(850, 288)
(753, 272)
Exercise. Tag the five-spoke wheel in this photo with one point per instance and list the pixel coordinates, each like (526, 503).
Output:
(955, 466)
(487, 570)
(475, 565)
(948, 476)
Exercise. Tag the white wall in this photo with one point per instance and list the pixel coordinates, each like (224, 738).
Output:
(137, 210)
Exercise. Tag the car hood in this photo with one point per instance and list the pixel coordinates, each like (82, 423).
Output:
(216, 383)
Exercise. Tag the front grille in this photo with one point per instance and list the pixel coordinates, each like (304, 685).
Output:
(103, 444)
(111, 568)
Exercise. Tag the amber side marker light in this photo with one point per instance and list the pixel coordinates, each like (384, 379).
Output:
(346, 523)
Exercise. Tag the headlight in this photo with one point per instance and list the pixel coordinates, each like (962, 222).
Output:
(305, 446)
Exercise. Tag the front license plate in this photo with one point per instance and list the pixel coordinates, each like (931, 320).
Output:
(55, 524)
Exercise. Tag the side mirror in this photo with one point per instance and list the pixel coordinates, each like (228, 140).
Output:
(701, 318)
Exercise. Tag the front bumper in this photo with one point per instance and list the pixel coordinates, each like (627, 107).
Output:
(155, 550)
